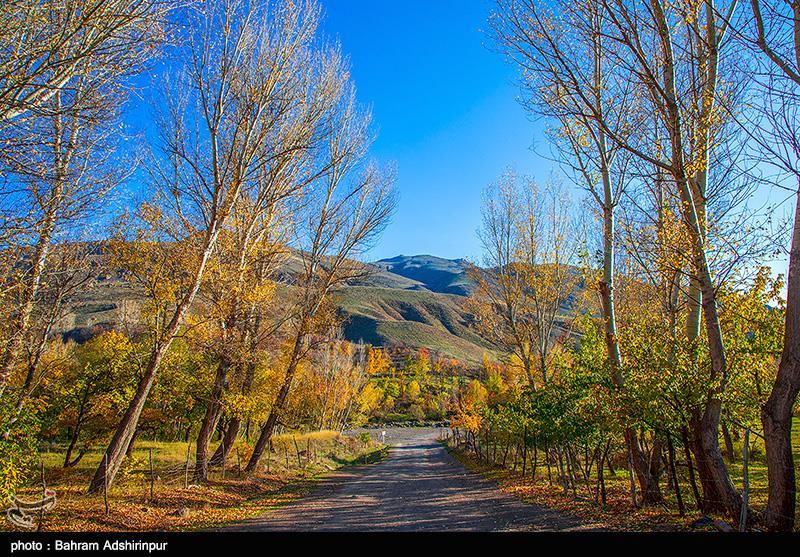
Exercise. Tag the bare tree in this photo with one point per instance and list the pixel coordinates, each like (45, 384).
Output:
(338, 376)
(668, 57)
(47, 46)
(241, 61)
(70, 269)
(54, 187)
(573, 81)
(252, 251)
(772, 30)
(343, 213)
(526, 294)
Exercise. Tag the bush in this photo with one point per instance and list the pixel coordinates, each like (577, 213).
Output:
(17, 452)
(365, 437)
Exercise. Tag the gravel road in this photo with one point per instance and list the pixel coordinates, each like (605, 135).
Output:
(418, 487)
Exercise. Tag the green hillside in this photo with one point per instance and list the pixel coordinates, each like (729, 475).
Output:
(393, 317)
(383, 308)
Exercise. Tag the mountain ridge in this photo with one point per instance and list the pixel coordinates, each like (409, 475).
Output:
(404, 302)
(437, 274)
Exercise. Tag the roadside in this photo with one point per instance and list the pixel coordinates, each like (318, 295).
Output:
(537, 489)
(418, 487)
(295, 467)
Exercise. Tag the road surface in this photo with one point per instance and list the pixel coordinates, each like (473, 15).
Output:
(418, 487)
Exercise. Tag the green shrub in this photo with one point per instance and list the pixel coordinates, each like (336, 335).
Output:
(365, 437)
(18, 450)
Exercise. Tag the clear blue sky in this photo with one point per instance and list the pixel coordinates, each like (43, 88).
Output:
(446, 112)
(445, 108)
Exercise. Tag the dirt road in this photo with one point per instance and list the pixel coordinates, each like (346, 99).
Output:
(418, 487)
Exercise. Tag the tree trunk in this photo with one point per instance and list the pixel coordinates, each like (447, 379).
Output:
(648, 485)
(524, 451)
(21, 321)
(562, 471)
(132, 443)
(719, 493)
(78, 425)
(690, 466)
(674, 473)
(235, 423)
(72, 442)
(730, 454)
(653, 493)
(228, 440)
(277, 407)
(776, 416)
(601, 480)
(110, 464)
(547, 461)
(210, 419)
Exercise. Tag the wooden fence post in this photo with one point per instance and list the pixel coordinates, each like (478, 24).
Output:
(105, 483)
(745, 481)
(297, 451)
(632, 479)
(152, 473)
(186, 475)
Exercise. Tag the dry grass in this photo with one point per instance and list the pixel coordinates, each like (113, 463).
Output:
(297, 463)
(618, 513)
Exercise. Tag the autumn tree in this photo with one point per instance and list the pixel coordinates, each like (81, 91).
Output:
(338, 378)
(669, 58)
(219, 116)
(344, 211)
(62, 71)
(582, 145)
(527, 293)
(378, 361)
(93, 389)
(254, 242)
(772, 31)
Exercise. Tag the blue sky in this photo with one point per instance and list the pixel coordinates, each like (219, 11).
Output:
(446, 114)
(445, 109)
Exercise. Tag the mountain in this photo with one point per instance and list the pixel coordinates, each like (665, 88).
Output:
(393, 317)
(412, 302)
(445, 276)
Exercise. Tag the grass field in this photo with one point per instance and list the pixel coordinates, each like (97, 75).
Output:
(292, 470)
(617, 513)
